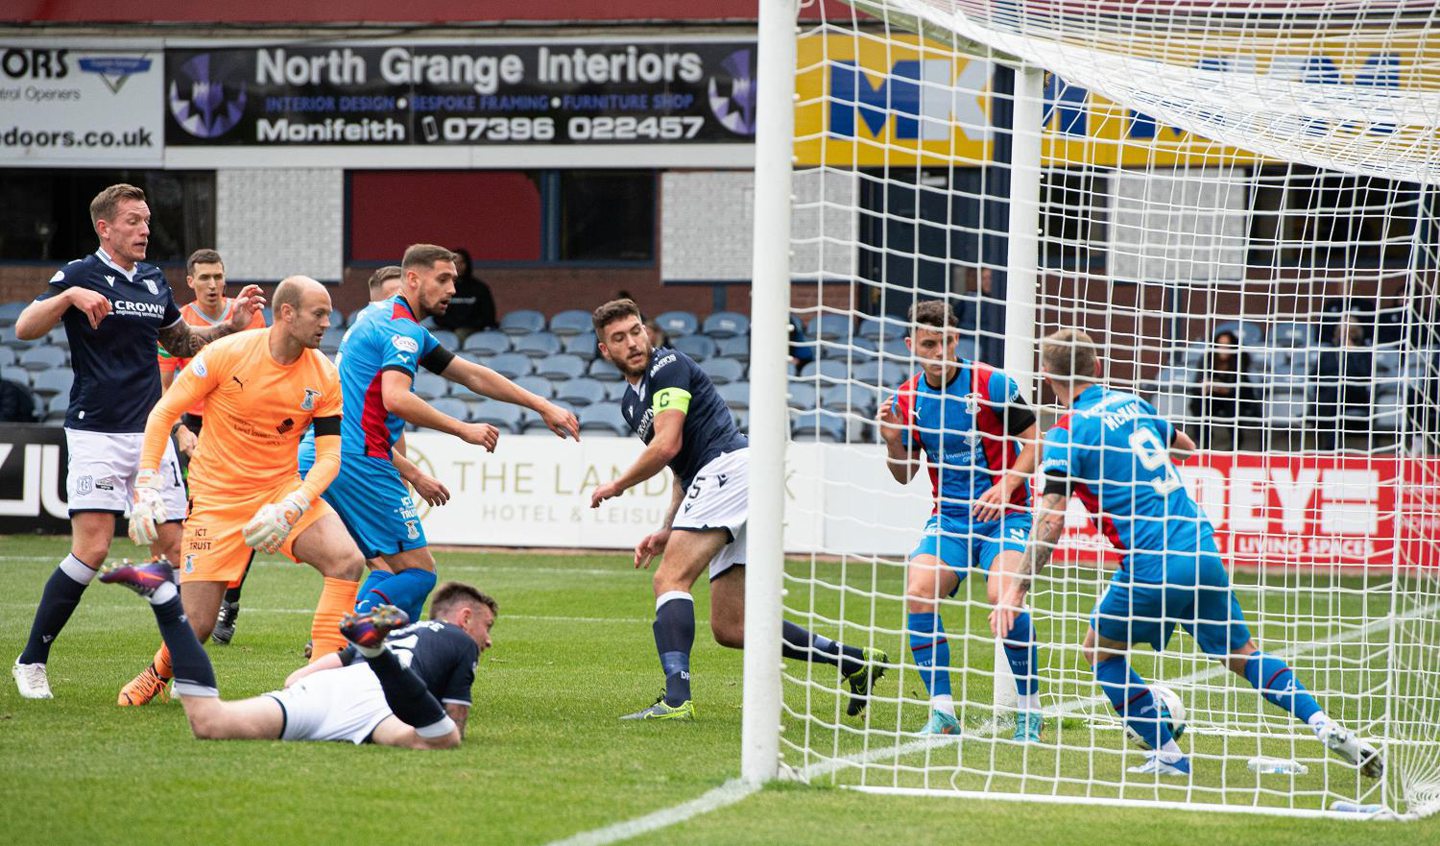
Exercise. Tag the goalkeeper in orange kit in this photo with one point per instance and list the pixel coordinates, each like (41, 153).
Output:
(262, 389)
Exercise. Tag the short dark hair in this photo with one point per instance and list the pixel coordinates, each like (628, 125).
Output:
(450, 594)
(204, 255)
(425, 255)
(934, 314)
(383, 275)
(611, 312)
(108, 201)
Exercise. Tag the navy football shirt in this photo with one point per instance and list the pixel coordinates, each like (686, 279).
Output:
(116, 379)
(440, 653)
(674, 381)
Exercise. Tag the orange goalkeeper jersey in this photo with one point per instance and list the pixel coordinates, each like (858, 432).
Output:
(256, 411)
(192, 315)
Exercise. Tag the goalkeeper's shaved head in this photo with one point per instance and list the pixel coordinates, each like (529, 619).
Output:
(291, 290)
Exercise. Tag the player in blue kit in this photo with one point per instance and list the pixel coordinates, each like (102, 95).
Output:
(115, 308)
(1114, 452)
(685, 425)
(396, 684)
(379, 357)
(978, 437)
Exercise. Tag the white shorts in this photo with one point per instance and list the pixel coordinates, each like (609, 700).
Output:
(719, 498)
(341, 704)
(101, 475)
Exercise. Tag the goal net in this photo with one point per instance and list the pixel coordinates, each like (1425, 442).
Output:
(1237, 202)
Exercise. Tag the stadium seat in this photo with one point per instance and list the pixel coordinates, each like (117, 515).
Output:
(580, 392)
(7, 338)
(726, 324)
(430, 387)
(10, 312)
(447, 339)
(722, 370)
(604, 420)
(802, 395)
(583, 345)
(537, 344)
(571, 322)
(522, 322)
(735, 394)
(511, 365)
(604, 371)
(57, 337)
(533, 423)
(349, 321)
(330, 342)
(452, 406)
(861, 350)
(967, 347)
(736, 347)
(1292, 335)
(1387, 361)
(562, 366)
(826, 370)
(850, 399)
(56, 408)
(882, 329)
(7, 357)
(50, 382)
(742, 420)
(501, 415)
(540, 386)
(43, 358)
(615, 391)
(337, 318)
(830, 326)
(15, 373)
(486, 343)
(895, 349)
(893, 375)
(698, 347)
(678, 324)
(817, 425)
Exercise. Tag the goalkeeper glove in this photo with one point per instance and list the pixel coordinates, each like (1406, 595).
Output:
(268, 529)
(148, 510)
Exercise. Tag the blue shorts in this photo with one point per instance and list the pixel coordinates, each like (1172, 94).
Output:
(1196, 596)
(373, 502)
(961, 543)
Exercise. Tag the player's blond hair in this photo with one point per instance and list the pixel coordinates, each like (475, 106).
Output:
(450, 594)
(107, 203)
(383, 275)
(1069, 355)
(611, 312)
(425, 255)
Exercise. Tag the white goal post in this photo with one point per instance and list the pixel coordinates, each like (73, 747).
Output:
(1237, 199)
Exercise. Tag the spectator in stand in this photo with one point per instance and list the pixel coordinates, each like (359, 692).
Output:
(802, 349)
(1343, 385)
(472, 309)
(1224, 396)
(658, 336)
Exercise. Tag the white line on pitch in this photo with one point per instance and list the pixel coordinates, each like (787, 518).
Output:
(726, 794)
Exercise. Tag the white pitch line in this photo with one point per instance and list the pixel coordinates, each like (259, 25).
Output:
(726, 794)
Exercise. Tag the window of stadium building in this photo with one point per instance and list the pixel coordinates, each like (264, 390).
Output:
(45, 214)
(1305, 218)
(606, 215)
(1073, 219)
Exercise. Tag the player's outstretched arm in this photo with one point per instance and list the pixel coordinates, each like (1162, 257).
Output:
(400, 401)
(427, 487)
(182, 340)
(664, 446)
(487, 383)
(654, 543)
(1182, 446)
(41, 315)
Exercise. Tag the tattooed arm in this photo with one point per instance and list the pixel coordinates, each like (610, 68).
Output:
(182, 340)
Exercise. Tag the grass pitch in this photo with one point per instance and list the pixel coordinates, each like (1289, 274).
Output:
(544, 756)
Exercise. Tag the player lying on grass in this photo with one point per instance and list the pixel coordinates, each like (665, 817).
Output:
(262, 389)
(978, 437)
(1114, 451)
(412, 689)
(685, 425)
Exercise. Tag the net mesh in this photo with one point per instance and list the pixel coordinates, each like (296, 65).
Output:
(1237, 201)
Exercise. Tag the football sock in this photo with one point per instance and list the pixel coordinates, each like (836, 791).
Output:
(194, 676)
(337, 599)
(408, 697)
(801, 644)
(1021, 651)
(62, 593)
(674, 638)
(232, 595)
(1277, 683)
(372, 581)
(1133, 701)
(405, 590)
(932, 652)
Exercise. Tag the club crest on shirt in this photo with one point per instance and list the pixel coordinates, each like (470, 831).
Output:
(308, 404)
(84, 485)
(150, 284)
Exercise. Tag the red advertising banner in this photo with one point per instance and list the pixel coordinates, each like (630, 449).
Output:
(1302, 510)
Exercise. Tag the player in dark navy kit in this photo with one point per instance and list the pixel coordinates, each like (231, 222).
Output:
(674, 408)
(978, 437)
(115, 308)
(379, 357)
(1114, 452)
(412, 688)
